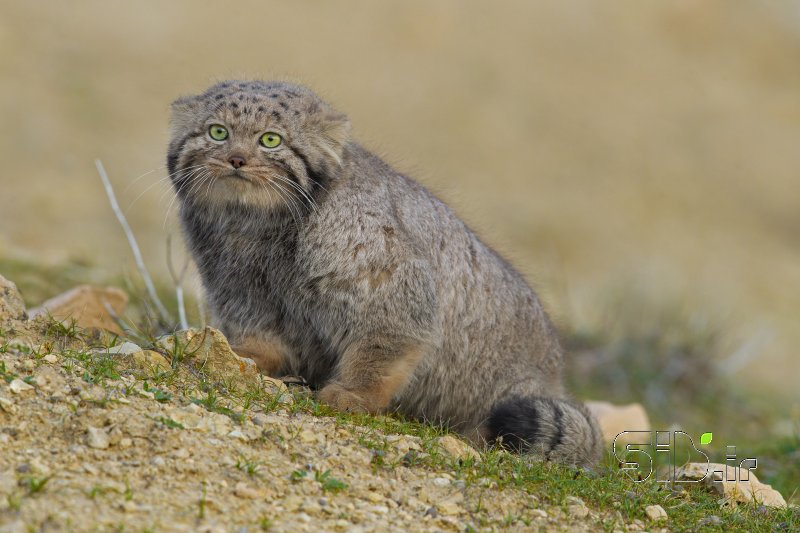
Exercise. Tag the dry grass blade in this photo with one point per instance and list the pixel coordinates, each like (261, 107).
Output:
(137, 254)
(177, 279)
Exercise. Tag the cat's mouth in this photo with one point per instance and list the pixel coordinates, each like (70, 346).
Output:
(235, 174)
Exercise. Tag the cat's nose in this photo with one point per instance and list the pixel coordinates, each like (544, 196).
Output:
(236, 161)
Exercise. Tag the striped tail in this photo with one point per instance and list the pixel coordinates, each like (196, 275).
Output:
(552, 429)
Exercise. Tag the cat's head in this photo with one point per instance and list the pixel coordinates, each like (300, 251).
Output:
(265, 144)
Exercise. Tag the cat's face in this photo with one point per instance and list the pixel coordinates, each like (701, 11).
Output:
(269, 145)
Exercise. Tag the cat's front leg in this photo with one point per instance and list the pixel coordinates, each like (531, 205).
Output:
(269, 352)
(371, 372)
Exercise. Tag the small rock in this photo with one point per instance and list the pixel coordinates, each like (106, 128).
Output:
(241, 490)
(440, 481)
(308, 437)
(126, 348)
(8, 406)
(374, 497)
(292, 503)
(50, 358)
(238, 434)
(18, 386)
(578, 511)
(125, 443)
(130, 507)
(616, 419)
(655, 512)
(404, 443)
(150, 360)
(450, 506)
(457, 448)
(12, 307)
(180, 453)
(573, 500)
(86, 305)
(209, 350)
(538, 513)
(97, 438)
(732, 488)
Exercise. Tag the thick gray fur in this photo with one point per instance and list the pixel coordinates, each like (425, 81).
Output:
(360, 279)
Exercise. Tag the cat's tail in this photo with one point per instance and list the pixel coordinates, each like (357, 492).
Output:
(552, 429)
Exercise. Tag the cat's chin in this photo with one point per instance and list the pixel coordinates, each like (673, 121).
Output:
(237, 192)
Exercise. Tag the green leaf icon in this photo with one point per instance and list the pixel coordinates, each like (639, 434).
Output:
(705, 438)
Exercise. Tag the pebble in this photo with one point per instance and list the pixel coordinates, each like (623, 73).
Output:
(50, 358)
(655, 512)
(448, 507)
(578, 511)
(238, 434)
(8, 406)
(18, 386)
(538, 513)
(97, 438)
(242, 490)
(374, 497)
(308, 437)
(126, 348)
(573, 500)
(440, 481)
(457, 448)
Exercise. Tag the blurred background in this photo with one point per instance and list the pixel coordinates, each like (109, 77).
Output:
(638, 161)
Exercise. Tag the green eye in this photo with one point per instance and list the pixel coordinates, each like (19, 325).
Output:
(218, 132)
(271, 139)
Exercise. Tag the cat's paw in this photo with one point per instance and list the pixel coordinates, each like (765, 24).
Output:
(342, 399)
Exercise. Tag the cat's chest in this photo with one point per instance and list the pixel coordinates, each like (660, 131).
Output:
(238, 263)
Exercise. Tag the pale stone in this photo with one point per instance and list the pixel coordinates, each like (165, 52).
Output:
(242, 490)
(405, 443)
(374, 497)
(209, 351)
(50, 358)
(449, 507)
(150, 360)
(735, 490)
(18, 386)
(578, 511)
(97, 438)
(8, 406)
(86, 305)
(308, 437)
(457, 448)
(616, 419)
(126, 348)
(655, 512)
(12, 307)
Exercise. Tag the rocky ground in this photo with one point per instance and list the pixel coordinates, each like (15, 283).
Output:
(98, 434)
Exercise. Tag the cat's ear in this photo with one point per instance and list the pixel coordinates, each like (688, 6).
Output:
(184, 113)
(330, 132)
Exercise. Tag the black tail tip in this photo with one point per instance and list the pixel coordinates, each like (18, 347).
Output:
(552, 429)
